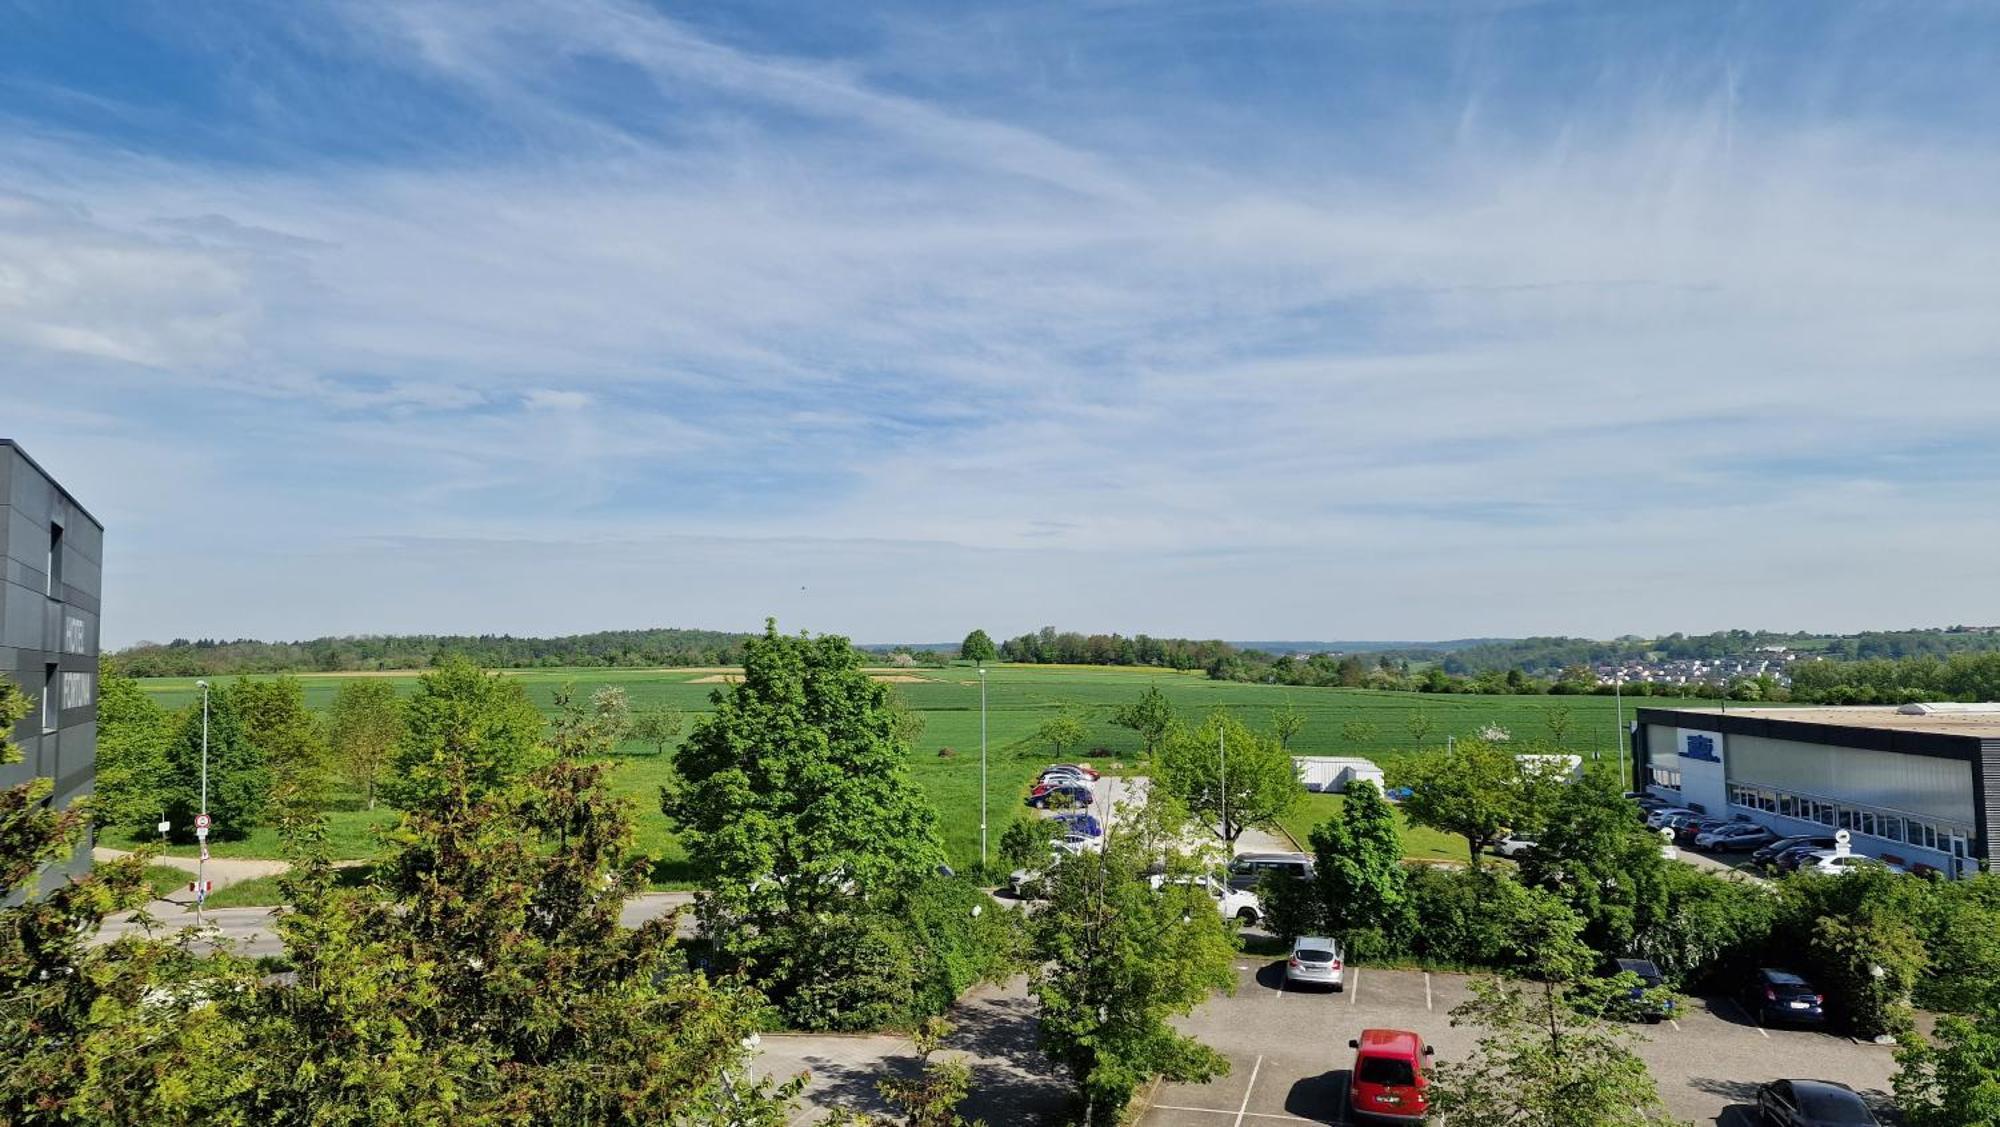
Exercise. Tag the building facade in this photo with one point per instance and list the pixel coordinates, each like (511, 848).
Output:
(52, 550)
(1910, 785)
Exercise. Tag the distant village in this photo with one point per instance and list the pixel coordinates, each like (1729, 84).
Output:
(1765, 661)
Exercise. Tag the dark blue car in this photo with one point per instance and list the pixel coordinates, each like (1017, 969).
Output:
(1646, 1001)
(1077, 795)
(1087, 823)
(1779, 997)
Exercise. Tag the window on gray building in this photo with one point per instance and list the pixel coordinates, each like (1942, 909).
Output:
(55, 561)
(50, 710)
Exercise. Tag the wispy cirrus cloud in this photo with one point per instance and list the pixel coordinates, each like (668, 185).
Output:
(1251, 309)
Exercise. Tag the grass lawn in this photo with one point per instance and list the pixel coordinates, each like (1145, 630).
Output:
(1420, 843)
(945, 760)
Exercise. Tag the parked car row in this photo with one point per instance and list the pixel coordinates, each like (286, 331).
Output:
(1064, 784)
(1768, 850)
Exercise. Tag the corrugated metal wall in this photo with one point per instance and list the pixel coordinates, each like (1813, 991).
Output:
(1915, 784)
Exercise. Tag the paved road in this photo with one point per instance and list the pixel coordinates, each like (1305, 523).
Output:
(248, 930)
(1289, 1056)
(1012, 1083)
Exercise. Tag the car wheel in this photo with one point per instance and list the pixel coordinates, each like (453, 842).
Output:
(1246, 915)
(1652, 1019)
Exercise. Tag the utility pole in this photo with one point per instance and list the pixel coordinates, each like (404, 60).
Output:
(982, 766)
(201, 826)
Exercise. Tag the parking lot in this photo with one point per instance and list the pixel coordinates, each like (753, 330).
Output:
(1289, 1050)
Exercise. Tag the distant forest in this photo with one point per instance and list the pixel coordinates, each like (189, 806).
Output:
(621, 648)
(1482, 661)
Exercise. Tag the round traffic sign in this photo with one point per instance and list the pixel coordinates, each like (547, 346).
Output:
(201, 821)
(1841, 837)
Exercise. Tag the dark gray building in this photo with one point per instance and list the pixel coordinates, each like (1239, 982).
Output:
(52, 550)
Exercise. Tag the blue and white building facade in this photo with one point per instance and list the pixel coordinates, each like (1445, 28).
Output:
(1910, 785)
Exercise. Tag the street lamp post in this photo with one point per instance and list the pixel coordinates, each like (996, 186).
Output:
(1618, 697)
(982, 766)
(1222, 757)
(201, 830)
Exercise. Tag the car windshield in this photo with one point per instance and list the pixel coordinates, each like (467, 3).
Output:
(1313, 955)
(1386, 1070)
(1826, 1106)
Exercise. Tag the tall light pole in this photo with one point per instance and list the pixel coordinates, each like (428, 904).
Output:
(1222, 757)
(1618, 697)
(201, 829)
(982, 766)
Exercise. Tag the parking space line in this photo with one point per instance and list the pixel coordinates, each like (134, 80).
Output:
(1226, 1111)
(1247, 1089)
(1282, 980)
(1353, 984)
(1427, 991)
(1754, 1023)
(1675, 1024)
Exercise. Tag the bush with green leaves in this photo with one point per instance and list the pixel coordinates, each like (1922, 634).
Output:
(1478, 918)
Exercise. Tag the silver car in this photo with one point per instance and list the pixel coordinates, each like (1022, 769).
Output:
(1316, 961)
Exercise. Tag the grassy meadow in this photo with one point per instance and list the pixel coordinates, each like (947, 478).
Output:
(1020, 698)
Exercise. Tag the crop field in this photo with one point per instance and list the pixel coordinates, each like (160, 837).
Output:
(945, 760)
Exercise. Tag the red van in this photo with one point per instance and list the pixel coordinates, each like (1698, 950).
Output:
(1388, 1080)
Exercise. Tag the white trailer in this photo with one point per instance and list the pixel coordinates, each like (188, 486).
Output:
(1331, 774)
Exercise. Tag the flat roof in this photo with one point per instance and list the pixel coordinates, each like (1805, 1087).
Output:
(51, 479)
(1877, 717)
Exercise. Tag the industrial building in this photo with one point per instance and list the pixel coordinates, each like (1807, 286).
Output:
(1915, 785)
(52, 550)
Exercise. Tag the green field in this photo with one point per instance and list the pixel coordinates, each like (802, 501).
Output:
(1019, 698)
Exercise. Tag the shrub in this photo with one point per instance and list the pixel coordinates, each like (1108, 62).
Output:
(1711, 929)
(1472, 917)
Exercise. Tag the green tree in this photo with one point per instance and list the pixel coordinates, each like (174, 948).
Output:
(1358, 733)
(364, 727)
(1560, 719)
(1286, 724)
(795, 802)
(1117, 958)
(611, 710)
(1151, 716)
(1872, 962)
(487, 979)
(133, 735)
(1474, 790)
(1229, 777)
(274, 717)
(1545, 1057)
(1064, 729)
(1421, 726)
(978, 647)
(1027, 842)
(239, 781)
(1602, 862)
(659, 727)
(931, 1098)
(1544, 1061)
(1952, 1079)
(476, 724)
(1358, 876)
(86, 1029)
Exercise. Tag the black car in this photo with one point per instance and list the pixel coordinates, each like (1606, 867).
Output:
(1791, 860)
(1779, 997)
(1812, 1103)
(1648, 1000)
(1769, 854)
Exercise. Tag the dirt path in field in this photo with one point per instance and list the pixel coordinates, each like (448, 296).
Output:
(224, 871)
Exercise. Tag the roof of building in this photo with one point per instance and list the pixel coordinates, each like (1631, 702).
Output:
(1943, 719)
(10, 444)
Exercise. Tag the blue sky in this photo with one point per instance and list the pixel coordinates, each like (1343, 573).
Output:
(1286, 319)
